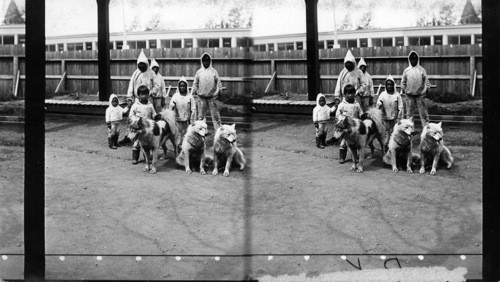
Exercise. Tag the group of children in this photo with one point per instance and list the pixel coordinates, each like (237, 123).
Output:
(146, 98)
(354, 95)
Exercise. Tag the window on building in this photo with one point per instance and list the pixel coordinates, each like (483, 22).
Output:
(453, 39)
(176, 43)
(152, 44)
(75, 46)
(8, 39)
(363, 42)
(226, 42)
(88, 45)
(119, 45)
(213, 42)
(202, 42)
(387, 42)
(50, 47)
(285, 46)
(141, 44)
(165, 43)
(400, 41)
(300, 45)
(478, 39)
(465, 39)
(377, 42)
(188, 43)
(270, 46)
(419, 41)
(321, 44)
(60, 47)
(21, 39)
(244, 42)
(329, 44)
(352, 43)
(259, 47)
(438, 40)
(343, 43)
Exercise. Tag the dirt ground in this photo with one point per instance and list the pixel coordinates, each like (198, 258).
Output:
(292, 200)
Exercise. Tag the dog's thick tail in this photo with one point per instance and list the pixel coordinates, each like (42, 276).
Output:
(376, 116)
(169, 117)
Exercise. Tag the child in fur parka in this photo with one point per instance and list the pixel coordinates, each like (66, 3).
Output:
(348, 107)
(114, 116)
(321, 116)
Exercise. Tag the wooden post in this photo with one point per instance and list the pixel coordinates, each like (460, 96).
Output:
(274, 72)
(15, 67)
(34, 148)
(472, 67)
(103, 47)
(313, 78)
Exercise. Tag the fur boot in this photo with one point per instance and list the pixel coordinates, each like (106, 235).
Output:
(323, 140)
(342, 155)
(318, 143)
(110, 143)
(135, 156)
(115, 140)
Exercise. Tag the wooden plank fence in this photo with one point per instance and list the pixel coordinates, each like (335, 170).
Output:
(453, 69)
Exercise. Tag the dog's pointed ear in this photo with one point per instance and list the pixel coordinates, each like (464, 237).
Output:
(411, 119)
(233, 126)
(439, 124)
(346, 120)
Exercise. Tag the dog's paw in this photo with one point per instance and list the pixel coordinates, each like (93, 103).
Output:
(215, 171)
(360, 169)
(226, 173)
(242, 167)
(146, 168)
(433, 171)
(448, 166)
(153, 170)
(395, 169)
(353, 167)
(189, 171)
(202, 171)
(422, 170)
(409, 170)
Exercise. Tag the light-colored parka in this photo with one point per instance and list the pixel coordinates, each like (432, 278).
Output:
(185, 106)
(147, 78)
(366, 88)
(161, 91)
(206, 83)
(114, 114)
(321, 114)
(415, 81)
(349, 77)
(391, 104)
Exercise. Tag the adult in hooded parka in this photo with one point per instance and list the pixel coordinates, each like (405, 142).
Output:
(415, 85)
(365, 92)
(207, 87)
(349, 75)
(159, 99)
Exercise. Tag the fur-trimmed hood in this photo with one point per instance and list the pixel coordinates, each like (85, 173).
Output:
(183, 79)
(154, 64)
(318, 97)
(390, 78)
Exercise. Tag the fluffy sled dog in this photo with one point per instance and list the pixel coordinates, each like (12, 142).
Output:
(193, 147)
(226, 152)
(153, 134)
(432, 148)
(399, 153)
(358, 133)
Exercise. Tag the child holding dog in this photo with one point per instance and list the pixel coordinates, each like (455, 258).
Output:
(348, 107)
(321, 116)
(141, 76)
(414, 86)
(114, 116)
(207, 87)
(349, 75)
(391, 104)
(141, 108)
(365, 91)
(184, 106)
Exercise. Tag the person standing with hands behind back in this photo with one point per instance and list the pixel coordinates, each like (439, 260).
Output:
(415, 85)
(207, 86)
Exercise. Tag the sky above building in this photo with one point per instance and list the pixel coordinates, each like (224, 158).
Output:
(67, 17)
